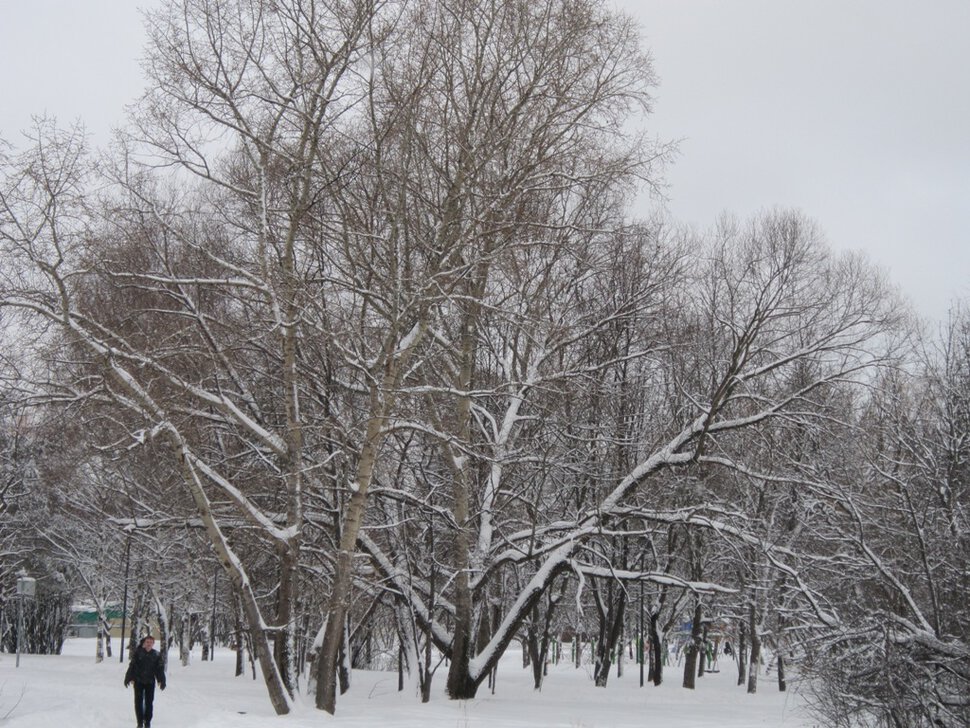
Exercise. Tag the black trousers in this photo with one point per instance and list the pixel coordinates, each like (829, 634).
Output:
(144, 699)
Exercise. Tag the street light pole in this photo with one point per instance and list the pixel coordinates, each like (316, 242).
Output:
(212, 625)
(20, 624)
(640, 623)
(25, 588)
(124, 601)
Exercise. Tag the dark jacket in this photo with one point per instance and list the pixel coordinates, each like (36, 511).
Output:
(145, 668)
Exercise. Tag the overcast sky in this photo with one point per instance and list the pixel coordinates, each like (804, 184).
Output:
(857, 112)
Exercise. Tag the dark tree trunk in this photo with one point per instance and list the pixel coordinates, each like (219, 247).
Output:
(343, 661)
(610, 628)
(460, 684)
(538, 637)
(755, 650)
(240, 643)
(780, 650)
(534, 649)
(742, 653)
(693, 648)
(656, 651)
(702, 659)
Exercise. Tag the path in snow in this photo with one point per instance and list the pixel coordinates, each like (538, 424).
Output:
(71, 691)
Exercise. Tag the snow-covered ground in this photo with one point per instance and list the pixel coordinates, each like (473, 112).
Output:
(71, 691)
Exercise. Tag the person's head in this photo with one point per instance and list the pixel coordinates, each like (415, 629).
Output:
(147, 643)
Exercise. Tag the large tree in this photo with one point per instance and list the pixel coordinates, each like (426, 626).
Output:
(363, 271)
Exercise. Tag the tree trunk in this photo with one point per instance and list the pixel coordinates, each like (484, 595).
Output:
(780, 650)
(656, 651)
(164, 618)
(292, 466)
(703, 647)
(460, 684)
(539, 638)
(137, 622)
(693, 648)
(284, 643)
(343, 664)
(104, 631)
(426, 673)
(184, 636)
(205, 644)
(279, 696)
(99, 647)
(239, 638)
(534, 649)
(610, 628)
(326, 696)
(742, 652)
(755, 650)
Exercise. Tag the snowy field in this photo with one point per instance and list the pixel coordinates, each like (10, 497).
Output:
(71, 691)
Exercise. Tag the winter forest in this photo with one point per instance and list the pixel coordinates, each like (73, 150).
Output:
(350, 351)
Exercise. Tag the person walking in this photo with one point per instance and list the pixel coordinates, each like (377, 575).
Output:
(144, 670)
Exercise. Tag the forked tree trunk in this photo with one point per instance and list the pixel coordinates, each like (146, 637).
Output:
(538, 637)
(611, 627)
(382, 400)
(333, 636)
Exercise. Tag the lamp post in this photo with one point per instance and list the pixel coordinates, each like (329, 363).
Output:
(212, 626)
(124, 600)
(26, 587)
(642, 648)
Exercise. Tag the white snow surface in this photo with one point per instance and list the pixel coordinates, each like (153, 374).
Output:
(72, 690)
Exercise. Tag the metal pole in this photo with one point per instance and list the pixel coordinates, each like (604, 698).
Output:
(212, 629)
(640, 624)
(124, 601)
(20, 624)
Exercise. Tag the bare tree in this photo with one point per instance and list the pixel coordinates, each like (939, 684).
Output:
(900, 653)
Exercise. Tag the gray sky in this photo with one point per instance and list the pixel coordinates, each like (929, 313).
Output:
(855, 111)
